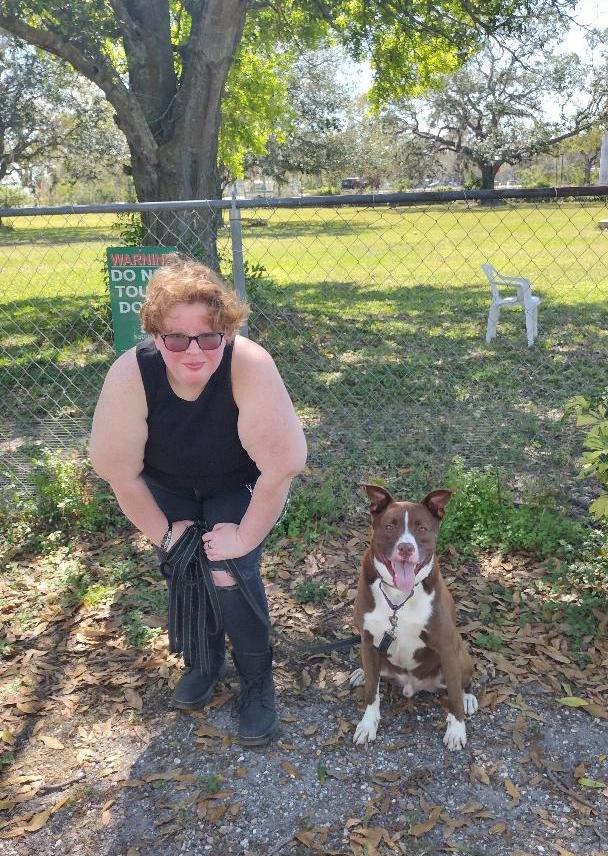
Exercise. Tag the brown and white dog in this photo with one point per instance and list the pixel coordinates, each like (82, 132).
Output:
(406, 615)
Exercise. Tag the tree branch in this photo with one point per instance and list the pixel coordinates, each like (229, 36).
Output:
(100, 72)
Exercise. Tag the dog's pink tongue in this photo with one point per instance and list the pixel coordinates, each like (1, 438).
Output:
(405, 574)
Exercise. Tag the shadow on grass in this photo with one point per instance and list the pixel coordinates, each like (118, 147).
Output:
(387, 379)
(42, 233)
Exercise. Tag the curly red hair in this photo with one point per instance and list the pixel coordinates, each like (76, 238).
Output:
(188, 281)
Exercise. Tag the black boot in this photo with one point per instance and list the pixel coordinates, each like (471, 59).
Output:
(195, 687)
(258, 720)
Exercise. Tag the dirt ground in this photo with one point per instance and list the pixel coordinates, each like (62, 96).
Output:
(100, 763)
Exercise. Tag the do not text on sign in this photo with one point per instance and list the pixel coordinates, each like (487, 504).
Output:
(129, 270)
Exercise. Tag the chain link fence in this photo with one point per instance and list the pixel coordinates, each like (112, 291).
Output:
(374, 308)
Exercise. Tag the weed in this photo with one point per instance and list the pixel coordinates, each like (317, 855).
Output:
(138, 634)
(74, 587)
(6, 759)
(66, 496)
(121, 570)
(483, 514)
(490, 641)
(96, 594)
(321, 772)
(314, 507)
(594, 416)
(210, 784)
(310, 591)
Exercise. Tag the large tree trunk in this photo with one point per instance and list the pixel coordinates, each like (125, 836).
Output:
(171, 124)
(192, 231)
(185, 166)
(488, 174)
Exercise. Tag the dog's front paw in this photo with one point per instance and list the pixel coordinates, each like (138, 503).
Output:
(357, 678)
(455, 736)
(470, 703)
(367, 728)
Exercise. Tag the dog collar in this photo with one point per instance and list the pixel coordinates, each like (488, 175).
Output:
(388, 636)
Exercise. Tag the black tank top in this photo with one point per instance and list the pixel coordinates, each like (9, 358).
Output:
(193, 444)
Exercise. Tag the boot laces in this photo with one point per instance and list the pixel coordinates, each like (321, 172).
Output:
(255, 690)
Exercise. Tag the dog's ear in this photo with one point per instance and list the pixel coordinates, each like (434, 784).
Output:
(378, 498)
(436, 502)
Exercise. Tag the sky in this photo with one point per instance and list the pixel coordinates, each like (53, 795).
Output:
(593, 13)
(588, 13)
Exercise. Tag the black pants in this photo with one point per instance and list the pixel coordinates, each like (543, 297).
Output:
(247, 634)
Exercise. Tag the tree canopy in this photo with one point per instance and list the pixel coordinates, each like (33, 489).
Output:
(507, 103)
(164, 65)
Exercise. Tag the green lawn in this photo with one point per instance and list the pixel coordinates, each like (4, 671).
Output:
(376, 318)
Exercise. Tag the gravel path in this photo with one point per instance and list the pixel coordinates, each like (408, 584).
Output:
(157, 782)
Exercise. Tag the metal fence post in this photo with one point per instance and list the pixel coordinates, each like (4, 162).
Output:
(238, 266)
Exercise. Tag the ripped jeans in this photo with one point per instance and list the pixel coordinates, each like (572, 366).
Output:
(247, 634)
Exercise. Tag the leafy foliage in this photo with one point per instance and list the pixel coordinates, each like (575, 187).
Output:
(482, 514)
(310, 591)
(593, 415)
(493, 110)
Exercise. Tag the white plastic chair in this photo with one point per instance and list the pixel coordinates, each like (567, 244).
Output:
(524, 297)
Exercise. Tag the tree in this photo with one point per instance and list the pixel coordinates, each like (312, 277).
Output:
(44, 108)
(307, 140)
(163, 66)
(584, 148)
(496, 108)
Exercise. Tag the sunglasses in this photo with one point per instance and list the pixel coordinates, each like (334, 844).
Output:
(177, 342)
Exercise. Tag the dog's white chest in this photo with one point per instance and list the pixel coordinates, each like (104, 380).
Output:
(412, 618)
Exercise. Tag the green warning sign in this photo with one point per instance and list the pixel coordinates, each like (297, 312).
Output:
(130, 269)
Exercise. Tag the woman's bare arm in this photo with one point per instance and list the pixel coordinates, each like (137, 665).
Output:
(272, 435)
(116, 447)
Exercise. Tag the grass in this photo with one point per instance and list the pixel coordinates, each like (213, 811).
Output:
(376, 318)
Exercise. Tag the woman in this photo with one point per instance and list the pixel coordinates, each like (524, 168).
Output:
(195, 424)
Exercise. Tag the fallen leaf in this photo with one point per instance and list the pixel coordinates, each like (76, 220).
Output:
(290, 769)
(573, 701)
(562, 850)
(595, 709)
(592, 783)
(479, 773)
(217, 813)
(305, 837)
(207, 730)
(38, 821)
(422, 828)
(51, 742)
(513, 792)
(134, 700)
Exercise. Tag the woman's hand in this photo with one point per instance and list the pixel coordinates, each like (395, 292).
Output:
(224, 542)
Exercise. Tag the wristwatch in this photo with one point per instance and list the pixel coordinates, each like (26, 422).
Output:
(164, 544)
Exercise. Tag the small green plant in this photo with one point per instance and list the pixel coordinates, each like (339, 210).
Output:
(75, 586)
(593, 415)
(490, 641)
(66, 496)
(137, 633)
(210, 784)
(483, 514)
(6, 759)
(96, 594)
(310, 591)
(313, 508)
